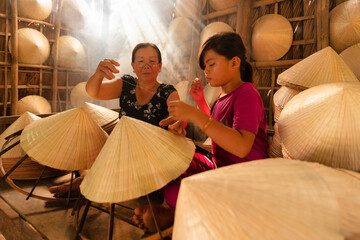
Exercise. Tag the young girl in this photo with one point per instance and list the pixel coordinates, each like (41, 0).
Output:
(237, 123)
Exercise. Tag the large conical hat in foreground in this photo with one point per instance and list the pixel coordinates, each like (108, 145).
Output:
(345, 25)
(322, 124)
(137, 159)
(324, 66)
(101, 115)
(34, 9)
(269, 199)
(271, 38)
(34, 104)
(69, 140)
(351, 56)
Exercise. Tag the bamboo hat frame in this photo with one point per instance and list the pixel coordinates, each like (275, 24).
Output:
(34, 104)
(345, 25)
(269, 199)
(324, 66)
(351, 56)
(137, 159)
(69, 140)
(39, 10)
(322, 125)
(271, 39)
(212, 29)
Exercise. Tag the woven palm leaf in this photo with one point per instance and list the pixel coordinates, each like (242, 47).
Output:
(324, 66)
(71, 52)
(34, 9)
(211, 94)
(281, 97)
(187, 8)
(268, 199)
(351, 56)
(212, 29)
(137, 159)
(34, 47)
(275, 144)
(101, 115)
(222, 4)
(345, 25)
(69, 140)
(272, 36)
(322, 125)
(34, 104)
(79, 96)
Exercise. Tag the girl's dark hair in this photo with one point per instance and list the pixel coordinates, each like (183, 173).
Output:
(145, 45)
(229, 45)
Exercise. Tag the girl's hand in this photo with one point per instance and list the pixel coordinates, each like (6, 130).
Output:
(106, 68)
(179, 110)
(177, 127)
(196, 90)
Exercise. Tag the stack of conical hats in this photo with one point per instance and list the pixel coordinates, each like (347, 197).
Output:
(137, 159)
(351, 56)
(69, 140)
(269, 199)
(27, 169)
(104, 117)
(322, 125)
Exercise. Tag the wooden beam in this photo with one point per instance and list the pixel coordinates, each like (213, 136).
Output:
(243, 23)
(280, 63)
(14, 57)
(266, 2)
(219, 13)
(322, 23)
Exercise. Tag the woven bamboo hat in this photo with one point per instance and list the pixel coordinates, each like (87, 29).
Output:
(212, 29)
(222, 4)
(345, 25)
(268, 199)
(351, 56)
(68, 140)
(74, 14)
(79, 96)
(211, 94)
(34, 104)
(324, 66)
(281, 98)
(275, 150)
(183, 89)
(187, 8)
(272, 36)
(137, 159)
(180, 30)
(34, 47)
(34, 9)
(71, 52)
(101, 115)
(322, 125)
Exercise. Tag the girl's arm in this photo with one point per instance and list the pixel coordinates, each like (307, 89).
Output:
(238, 142)
(197, 93)
(96, 88)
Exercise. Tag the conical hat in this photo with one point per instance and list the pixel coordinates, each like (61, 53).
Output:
(71, 52)
(34, 47)
(74, 14)
(324, 66)
(34, 104)
(351, 56)
(268, 199)
(180, 30)
(187, 8)
(137, 159)
(69, 140)
(34, 9)
(100, 115)
(345, 25)
(275, 144)
(272, 36)
(211, 94)
(212, 29)
(284, 95)
(222, 4)
(79, 96)
(322, 124)
(20, 123)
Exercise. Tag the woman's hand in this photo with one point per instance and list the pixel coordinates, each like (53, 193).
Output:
(106, 68)
(196, 90)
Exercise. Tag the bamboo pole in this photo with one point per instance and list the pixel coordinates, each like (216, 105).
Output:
(219, 13)
(322, 24)
(6, 89)
(243, 23)
(266, 2)
(56, 56)
(14, 57)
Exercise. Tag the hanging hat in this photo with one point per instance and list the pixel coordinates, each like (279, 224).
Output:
(101, 115)
(68, 140)
(33, 46)
(74, 14)
(268, 199)
(281, 98)
(322, 124)
(222, 4)
(272, 36)
(351, 56)
(211, 94)
(212, 29)
(34, 104)
(79, 96)
(187, 8)
(180, 30)
(345, 25)
(39, 10)
(71, 52)
(324, 66)
(137, 159)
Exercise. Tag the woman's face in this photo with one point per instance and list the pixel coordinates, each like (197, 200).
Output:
(217, 68)
(146, 64)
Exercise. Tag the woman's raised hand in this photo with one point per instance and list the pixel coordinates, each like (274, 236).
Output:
(106, 68)
(196, 90)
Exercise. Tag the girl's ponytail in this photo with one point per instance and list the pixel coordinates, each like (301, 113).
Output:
(246, 71)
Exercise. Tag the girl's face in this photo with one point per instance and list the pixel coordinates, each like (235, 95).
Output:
(146, 64)
(217, 68)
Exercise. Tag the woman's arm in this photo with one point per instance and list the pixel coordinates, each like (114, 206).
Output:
(107, 90)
